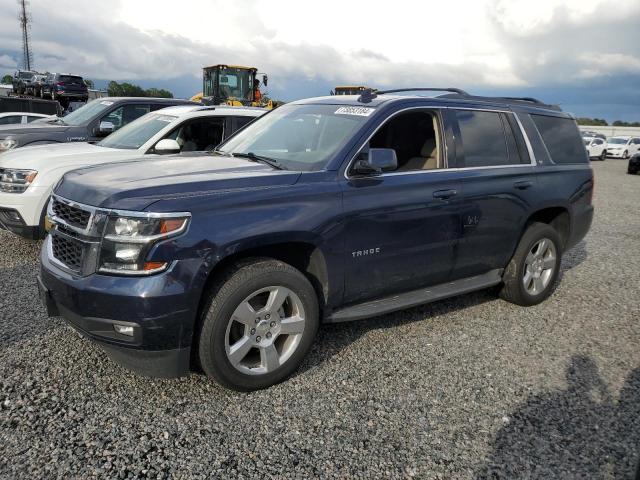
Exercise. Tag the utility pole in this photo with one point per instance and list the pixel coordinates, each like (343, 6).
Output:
(25, 22)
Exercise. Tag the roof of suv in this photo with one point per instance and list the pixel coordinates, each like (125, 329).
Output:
(375, 100)
(178, 101)
(220, 110)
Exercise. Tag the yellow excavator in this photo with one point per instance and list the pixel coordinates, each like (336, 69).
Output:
(232, 85)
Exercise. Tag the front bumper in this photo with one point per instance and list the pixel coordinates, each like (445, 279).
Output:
(615, 153)
(160, 308)
(23, 211)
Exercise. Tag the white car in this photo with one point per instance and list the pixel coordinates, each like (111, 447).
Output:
(596, 147)
(623, 147)
(28, 174)
(15, 118)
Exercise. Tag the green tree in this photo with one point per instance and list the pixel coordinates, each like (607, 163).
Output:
(594, 122)
(89, 83)
(126, 89)
(7, 79)
(159, 93)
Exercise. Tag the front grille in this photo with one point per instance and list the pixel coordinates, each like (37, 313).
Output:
(74, 216)
(67, 251)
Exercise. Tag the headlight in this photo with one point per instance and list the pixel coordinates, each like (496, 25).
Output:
(16, 181)
(8, 144)
(128, 241)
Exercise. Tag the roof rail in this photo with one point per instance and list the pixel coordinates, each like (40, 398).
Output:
(370, 94)
(425, 89)
(525, 99)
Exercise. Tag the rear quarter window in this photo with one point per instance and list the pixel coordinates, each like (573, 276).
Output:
(562, 139)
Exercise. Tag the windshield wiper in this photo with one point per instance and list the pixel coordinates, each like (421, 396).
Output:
(259, 158)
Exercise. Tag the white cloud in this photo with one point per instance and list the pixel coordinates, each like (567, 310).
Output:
(501, 43)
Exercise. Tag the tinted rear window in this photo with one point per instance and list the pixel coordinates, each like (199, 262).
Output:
(562, 139)
(70, 79)
(483, 139)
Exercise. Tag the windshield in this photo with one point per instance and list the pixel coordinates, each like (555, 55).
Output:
(618, 141)
(25, 74)
(299, 137)
(135, 134)
(87, 113)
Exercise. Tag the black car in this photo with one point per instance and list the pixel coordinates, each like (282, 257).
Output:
(33, 86)
(20, 80)
(634, 164)
(95, 120)
(64, 87)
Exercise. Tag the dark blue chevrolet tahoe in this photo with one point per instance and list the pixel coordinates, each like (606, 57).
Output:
(324, 210)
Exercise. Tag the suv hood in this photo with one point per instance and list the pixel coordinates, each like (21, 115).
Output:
(34, 127)
(137, 184)
(55, 154)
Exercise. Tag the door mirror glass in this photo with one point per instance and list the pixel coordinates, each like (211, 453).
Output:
(377, 161)
(106, 128)
(166, 146)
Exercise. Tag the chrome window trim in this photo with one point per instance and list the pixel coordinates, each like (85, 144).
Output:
(532, 158)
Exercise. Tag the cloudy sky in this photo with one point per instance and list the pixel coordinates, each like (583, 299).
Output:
(583, 54)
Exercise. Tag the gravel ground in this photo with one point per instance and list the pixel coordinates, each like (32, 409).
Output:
(471, 387)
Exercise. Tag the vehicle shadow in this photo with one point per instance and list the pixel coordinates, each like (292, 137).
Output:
(332, 338)
(573, 257)
(578, 432)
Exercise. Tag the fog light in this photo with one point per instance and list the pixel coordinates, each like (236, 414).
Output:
(124, 330)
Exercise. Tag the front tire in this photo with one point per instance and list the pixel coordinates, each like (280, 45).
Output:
(259, 324)
(603, 155)
(533, 270)
(625, 155)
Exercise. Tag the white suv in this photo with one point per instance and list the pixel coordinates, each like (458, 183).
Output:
(623, 147)
(28, 174)
(596, 147)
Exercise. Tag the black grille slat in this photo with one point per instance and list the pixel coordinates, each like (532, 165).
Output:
(74, 216)
(67, 251)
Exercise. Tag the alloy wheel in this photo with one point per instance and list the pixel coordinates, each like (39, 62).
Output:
(265, 330)
(540, 264)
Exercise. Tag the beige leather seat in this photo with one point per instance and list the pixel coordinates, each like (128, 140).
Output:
(428, 159)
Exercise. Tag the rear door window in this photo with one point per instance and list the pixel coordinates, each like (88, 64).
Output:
(12, 119)
(238, 122)
(562, 139)
(483, 140)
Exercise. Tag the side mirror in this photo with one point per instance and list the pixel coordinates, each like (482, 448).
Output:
(167, 146)
(265, 79)
(378, 160)
(106, 128)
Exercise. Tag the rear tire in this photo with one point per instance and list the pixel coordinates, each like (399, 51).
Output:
(532, 272)
(258, 324)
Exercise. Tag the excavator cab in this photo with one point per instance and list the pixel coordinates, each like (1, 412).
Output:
(231, 85)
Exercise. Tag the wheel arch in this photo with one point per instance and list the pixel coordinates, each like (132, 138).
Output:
(557, 216)
(301, 252)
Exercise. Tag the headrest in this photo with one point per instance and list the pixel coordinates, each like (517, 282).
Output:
(429, 147)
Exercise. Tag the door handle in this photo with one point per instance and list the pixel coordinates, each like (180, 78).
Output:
(523, 185)
(444, 194)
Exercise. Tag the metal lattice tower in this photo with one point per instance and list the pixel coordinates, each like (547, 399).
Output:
(25, 22)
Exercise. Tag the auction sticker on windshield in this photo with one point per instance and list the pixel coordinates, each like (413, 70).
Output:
(106, 102)
(360, 111)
